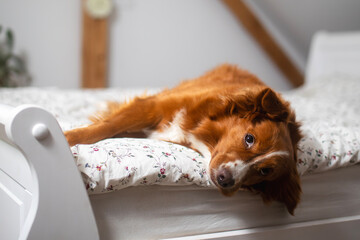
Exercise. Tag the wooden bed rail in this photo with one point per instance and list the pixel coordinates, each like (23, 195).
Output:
(59, 207)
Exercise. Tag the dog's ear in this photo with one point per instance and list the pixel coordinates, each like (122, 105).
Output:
(269, 104)
(286, 190)
(295, 133)
(241, 105)
(265, 104)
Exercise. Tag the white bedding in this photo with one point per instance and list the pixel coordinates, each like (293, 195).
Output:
(328, 108)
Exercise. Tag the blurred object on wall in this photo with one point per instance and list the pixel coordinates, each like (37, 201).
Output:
(13, 72)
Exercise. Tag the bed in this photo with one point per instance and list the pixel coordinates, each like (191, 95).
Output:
(49, 191)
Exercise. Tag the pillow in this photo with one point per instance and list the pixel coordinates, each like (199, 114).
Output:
(113, 164)
(117, 163)
(326, 147)
(329, 111)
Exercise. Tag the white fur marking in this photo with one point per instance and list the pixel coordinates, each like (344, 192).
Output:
(239, 168)
(269, 155)
(173, 132)
(200, 146)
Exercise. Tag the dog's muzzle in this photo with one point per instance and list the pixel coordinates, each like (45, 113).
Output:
(225, 178)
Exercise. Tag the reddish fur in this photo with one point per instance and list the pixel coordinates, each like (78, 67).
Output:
(221, 107)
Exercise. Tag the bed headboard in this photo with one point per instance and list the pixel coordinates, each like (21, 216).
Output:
(95, 48)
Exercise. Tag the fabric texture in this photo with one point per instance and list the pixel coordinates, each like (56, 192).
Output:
(329, 110)
(117, 163)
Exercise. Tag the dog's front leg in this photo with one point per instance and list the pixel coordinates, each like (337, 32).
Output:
(136, 116)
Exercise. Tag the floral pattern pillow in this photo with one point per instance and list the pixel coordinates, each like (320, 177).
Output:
(326, 147)
(114, 164)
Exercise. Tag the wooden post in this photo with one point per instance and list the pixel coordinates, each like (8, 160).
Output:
(253, 25)
(94, 51)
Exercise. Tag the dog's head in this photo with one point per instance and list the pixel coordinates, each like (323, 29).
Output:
(255, 147)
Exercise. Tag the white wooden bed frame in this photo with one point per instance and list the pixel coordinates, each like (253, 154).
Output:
(32, 139)
(35, 157)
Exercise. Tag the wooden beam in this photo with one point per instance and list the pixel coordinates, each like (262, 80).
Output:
(94, 51)
(258, 31)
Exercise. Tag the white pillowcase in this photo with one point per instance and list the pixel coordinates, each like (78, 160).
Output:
(114, 164)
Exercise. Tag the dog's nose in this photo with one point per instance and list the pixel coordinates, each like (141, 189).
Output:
(225, 178)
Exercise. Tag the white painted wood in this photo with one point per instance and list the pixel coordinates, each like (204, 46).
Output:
(13, 163)
(330, 229)
(10, 207)
(60, 207)
(17, 194)
(168, 211)
(40, 131)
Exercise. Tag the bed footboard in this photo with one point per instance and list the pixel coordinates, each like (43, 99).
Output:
(42, 193)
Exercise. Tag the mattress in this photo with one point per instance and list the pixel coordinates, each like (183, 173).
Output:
(156, 212)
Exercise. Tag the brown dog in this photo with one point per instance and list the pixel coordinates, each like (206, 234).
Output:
(229, 115)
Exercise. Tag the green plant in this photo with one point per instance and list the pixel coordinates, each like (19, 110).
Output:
(13, 71)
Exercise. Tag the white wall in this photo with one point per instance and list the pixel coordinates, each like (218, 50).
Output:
(160, 42)
(157, 43)
(295, 22)
(48, 32)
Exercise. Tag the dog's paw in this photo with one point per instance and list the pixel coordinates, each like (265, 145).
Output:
(72, 137)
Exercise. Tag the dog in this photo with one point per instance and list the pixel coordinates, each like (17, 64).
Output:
(246, 129)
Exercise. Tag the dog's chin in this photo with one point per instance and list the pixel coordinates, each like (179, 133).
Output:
(225, 191)
(229, 191)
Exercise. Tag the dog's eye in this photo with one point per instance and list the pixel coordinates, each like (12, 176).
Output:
(265, 171)
(249, 140)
